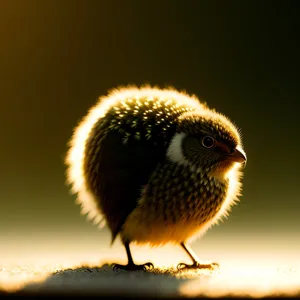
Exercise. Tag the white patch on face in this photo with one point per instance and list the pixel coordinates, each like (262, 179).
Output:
(174, 152)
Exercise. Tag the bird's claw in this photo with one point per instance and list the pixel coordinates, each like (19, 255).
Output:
(133, 267)
(116, 267)
(148, 266)
(197, 265)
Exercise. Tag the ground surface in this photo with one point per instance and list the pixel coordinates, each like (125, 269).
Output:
(230, 279)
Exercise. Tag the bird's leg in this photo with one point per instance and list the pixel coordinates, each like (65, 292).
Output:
(131, 266)
(196, 264)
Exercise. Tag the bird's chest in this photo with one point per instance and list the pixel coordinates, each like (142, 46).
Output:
(178, 193)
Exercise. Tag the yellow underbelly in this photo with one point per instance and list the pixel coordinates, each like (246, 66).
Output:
(156, 231)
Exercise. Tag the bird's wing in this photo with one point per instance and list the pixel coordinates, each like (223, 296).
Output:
(123, 171)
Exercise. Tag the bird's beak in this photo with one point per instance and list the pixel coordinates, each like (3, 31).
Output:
(238, 155)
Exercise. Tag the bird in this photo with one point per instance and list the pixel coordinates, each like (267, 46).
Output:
(157, 166)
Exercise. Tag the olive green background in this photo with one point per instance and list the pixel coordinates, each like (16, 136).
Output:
(57, 57)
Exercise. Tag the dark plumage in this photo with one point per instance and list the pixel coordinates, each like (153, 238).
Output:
(156, 166)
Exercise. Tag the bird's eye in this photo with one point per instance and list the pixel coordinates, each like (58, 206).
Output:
(208, 142)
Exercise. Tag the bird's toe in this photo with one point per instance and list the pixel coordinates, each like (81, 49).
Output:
(133, 267)
(197, 265)
(148, 266)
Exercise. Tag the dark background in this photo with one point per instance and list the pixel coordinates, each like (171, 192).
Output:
(57, 57)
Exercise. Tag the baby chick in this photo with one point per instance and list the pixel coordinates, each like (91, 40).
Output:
(157, 166)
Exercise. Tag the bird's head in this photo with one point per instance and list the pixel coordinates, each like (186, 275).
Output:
(207, 140)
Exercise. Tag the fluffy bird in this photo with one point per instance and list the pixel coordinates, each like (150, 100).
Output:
(157, 166)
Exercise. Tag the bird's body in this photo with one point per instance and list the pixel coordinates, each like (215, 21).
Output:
(143, 160)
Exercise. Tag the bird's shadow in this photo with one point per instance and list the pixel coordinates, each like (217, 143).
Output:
(104, 281)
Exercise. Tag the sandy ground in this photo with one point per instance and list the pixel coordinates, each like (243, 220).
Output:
(265, 269)
(229, 279)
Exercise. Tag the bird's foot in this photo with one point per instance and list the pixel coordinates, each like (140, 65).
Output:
(133, 267)
(196, 265)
